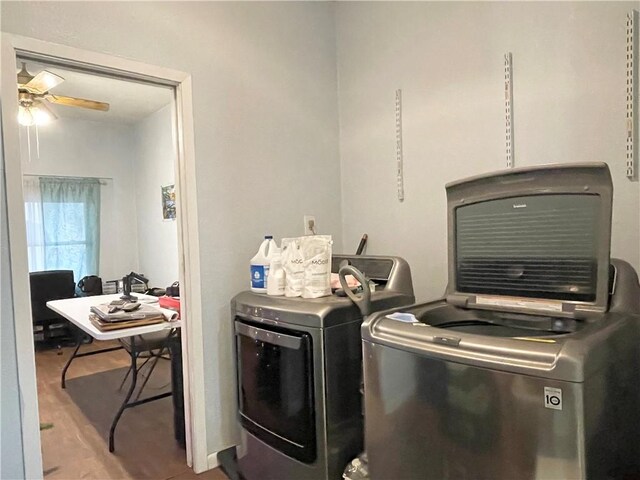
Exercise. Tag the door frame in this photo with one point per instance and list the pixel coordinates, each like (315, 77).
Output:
(13, 46)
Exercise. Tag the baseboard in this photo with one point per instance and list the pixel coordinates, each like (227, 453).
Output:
(212, 460)
(225, 460)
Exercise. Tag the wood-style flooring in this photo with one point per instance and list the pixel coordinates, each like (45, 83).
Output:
(76, 447)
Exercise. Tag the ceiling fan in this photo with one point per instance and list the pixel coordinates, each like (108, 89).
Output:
(34, 91)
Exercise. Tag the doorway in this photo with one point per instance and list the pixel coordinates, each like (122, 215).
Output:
(98, 182)
(20, 48)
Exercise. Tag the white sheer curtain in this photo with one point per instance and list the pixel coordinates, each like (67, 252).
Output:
(35, 223)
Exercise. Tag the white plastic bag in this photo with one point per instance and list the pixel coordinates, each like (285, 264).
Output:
(293, 265)
(316, 252)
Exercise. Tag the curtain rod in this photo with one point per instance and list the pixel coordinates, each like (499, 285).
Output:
(101, 179)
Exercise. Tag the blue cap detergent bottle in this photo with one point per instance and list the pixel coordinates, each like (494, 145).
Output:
(260, 264)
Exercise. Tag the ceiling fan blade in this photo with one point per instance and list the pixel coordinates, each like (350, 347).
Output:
(78, 102)
(43, 82)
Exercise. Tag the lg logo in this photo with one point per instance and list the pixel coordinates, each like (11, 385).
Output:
(553, 398)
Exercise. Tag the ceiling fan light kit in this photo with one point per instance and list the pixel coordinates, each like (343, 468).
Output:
(35, 114)
(33, 92)
(25, 116)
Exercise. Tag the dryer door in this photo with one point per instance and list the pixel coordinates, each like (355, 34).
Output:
(275, 381)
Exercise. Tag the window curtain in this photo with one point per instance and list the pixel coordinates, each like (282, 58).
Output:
(35, 224)
(63, 229)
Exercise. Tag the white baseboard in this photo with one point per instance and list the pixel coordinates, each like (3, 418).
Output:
(212, 460)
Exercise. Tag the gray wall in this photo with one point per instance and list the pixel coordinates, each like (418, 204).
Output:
(569, 106)
(11, 462)
(153, 166)
(266, 137)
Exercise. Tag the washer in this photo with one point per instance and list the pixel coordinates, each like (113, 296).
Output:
(299, 366)
(527, 368)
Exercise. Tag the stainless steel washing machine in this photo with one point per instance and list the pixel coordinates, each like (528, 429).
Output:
(299, 366)
(528, 367)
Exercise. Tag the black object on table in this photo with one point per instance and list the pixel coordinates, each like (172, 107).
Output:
(126, 285)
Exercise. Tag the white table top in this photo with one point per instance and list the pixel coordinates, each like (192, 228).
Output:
(76, 310)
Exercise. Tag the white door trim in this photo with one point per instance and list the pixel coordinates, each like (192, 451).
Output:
(27, 390)
(188, 243)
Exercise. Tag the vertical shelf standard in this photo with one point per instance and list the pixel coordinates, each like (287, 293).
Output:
(508, 109)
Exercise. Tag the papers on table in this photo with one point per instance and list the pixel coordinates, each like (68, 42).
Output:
(142, 313)
(145, 315)
(106, 326)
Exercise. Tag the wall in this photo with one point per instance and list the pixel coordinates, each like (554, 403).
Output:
(11, 462)
(79, 147)
(266, 137)
(153, 166)
(569, 106)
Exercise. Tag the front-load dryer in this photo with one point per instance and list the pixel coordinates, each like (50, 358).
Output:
(299, 370)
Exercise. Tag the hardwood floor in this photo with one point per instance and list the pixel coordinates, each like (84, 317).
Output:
(76, 446)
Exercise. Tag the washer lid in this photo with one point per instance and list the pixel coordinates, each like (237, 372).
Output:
(532, 239)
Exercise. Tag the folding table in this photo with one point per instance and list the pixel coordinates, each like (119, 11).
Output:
(77, 310)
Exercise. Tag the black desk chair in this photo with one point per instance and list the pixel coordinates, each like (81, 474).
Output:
(46, 286)
(151, 347)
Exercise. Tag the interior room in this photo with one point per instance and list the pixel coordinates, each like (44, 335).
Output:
(130, 150)
(338, 128)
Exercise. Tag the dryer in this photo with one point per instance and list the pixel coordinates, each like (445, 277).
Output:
(527, 368)
(299, 367)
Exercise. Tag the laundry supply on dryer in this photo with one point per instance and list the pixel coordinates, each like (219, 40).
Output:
(276, 279)
(352, 282)
(293, 265)
(260, 264)
(316, 250)
(307, 266)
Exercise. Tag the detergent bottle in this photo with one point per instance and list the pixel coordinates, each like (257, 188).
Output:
(276, 278)
(260, 264)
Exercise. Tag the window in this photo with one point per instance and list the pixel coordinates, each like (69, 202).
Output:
(63, 224)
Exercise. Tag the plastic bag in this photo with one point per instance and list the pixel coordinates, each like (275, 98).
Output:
(293, 266)
(316, 252)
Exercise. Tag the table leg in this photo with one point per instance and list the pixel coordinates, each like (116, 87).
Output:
(134, 379)
(66, 367)
(75, 354)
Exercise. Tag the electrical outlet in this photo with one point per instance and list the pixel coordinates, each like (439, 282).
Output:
(310, 225)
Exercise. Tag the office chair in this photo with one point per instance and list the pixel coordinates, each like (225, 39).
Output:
(46, 286)
(150, 346)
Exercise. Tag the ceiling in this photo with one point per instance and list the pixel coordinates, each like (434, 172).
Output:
(129, 101)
